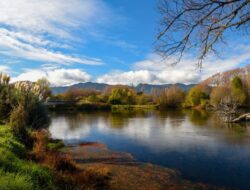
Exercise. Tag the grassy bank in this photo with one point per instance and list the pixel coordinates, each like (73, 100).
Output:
(100, 107)
(80, 107)
(43, 167)
(16, 172)
(127, 108)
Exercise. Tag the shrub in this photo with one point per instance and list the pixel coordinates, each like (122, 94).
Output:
(218, 94)
(122, 95)
(195, 97)
(18, 122)
(8, 142)
(15, 169)
(238, 93)
(5, 102)
(77, 93)
(13, 181)
(172, 97)
(45, 91)
(37, 116)
(55, 144)
(144, 99)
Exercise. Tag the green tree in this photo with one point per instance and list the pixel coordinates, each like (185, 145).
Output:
(122, 95)
(238, 93)
(195, 97)
(18, 122)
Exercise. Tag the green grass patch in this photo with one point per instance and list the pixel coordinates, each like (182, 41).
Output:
(55, 144)
(128, 108)
(15, 171)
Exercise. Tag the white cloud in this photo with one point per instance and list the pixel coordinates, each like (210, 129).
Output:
(12, 44)
(30, 29)
(154, 70)
(213, 65)
(56, 76)
(130, 77)
(4, 69)
(54, 17)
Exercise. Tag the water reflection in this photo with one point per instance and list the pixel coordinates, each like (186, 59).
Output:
(198, 144)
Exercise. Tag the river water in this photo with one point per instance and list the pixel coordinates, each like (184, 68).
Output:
(198, 144)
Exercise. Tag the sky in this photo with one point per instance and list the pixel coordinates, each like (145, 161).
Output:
(106, 41)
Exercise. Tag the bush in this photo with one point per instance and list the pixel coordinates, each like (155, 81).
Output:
(15, 169)
(5, 102)
(74, 94)
(37, 116)
(238, 93)
(18, 122)
(55, 144)
(172, 97)
(218, 95)
(144, 99)
(123, 96)
(195, 97)
(13, 181)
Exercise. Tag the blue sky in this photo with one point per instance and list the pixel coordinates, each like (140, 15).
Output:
(96, 40)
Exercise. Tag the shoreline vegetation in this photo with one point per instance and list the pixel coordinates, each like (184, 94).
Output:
(226, 99)
(30, 159)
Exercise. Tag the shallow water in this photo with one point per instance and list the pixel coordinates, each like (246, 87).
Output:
(198, 144)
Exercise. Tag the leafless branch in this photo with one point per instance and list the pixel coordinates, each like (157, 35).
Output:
(198, 25)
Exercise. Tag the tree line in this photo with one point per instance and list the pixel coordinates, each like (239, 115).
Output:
(233, 94)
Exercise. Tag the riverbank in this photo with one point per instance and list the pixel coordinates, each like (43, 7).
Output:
(17, 171)
(69, 106)
(90, 165)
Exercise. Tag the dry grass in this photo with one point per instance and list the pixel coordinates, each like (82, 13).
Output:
(68, 174)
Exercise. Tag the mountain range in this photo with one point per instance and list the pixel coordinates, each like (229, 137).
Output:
(217, 79)
(145, 88)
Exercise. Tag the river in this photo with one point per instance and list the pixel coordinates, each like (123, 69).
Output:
(198, 144)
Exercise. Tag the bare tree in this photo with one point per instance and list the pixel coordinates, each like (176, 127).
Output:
(199, 24)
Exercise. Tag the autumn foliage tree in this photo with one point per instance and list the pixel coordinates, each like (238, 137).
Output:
(74, 94)
(122, 95)
(227, 99)
(195, 97)
(171, 97)
(218, 95)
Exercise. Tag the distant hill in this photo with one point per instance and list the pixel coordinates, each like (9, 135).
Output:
(222, 78)
(146, 88)
(86, 85)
